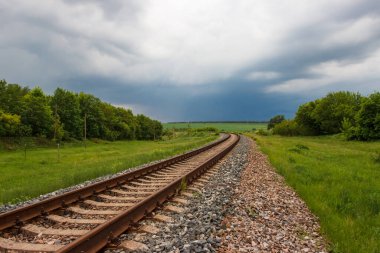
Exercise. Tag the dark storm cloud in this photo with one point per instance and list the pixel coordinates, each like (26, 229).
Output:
(186, 60)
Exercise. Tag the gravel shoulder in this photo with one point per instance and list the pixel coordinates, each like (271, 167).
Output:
(266, 215)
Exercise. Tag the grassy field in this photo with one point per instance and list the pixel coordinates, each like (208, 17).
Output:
(227, 126)
(42, 172)
(340, 182)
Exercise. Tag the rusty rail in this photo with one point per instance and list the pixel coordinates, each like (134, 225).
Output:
(17, 216)
(96, 239)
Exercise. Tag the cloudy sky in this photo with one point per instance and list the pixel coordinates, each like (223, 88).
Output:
(194, 59)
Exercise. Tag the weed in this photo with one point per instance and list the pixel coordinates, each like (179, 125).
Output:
(197, 194)
(292, 160)
(302, 147)
(183, 184)
(43, 162)
(262, 132)
(295, 150)
(301, 233)
(251, 212)
(376, 157)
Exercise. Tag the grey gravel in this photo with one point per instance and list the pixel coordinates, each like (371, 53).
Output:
(199, 227)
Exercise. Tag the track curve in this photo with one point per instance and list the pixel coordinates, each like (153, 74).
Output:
(88, 219)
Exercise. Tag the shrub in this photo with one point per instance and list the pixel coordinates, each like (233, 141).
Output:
(275, 120)
(262, 132)
(349, 131)
(302, 147)
(287, 128)
(206, 129)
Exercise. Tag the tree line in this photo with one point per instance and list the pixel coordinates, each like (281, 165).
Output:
(68, 115)
(354, 115)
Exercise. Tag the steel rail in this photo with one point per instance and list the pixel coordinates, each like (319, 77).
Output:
(19, 215)
(99, 237)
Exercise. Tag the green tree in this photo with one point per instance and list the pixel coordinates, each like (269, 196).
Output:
(9, 124)
(11, 97)
(128, 123)
(66, 104)
(91, 109)
(368, 118)
(330, 111)
(113, 127)
(275, 120)
(57, 128)
(158, 129)
(304, 117)
(148, 129)
(37, 113)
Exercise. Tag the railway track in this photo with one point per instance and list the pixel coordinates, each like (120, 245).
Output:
(90, 218)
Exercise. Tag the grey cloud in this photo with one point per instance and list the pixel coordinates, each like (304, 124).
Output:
(190, 60)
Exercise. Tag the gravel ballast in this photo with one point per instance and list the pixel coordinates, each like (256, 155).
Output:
(268, 216)
(199, 228)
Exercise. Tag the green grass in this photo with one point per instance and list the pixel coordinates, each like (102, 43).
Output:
(339, 181)
(227, 126)
(41, 172)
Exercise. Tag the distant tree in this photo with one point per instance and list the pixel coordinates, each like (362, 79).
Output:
(113, 127)
(304, 117)
(9, 124)
(157, 129)
(127, 123)
(57, 128)
(368, 118)
(144, 130)
(11, 97)
(95, 120)
(331, 110)
(275, 120)
(66, 104)
(36, 113)
(25, 112)
(148, 129)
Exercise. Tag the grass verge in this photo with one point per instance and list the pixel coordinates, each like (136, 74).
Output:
(44, 170)
(339, 181)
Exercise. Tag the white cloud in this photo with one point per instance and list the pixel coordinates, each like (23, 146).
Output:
(352, 31)
(361, 75)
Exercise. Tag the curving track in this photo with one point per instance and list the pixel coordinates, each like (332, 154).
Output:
(88, 219)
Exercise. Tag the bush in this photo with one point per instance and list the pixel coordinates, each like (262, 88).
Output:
(349, 131)
(287, 128)
(262, 132)
(275, 120)
(207, 129)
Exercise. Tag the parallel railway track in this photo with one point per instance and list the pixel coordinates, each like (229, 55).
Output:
(90, 218)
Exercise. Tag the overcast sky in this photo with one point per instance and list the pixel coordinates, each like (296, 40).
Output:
(194, 59)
